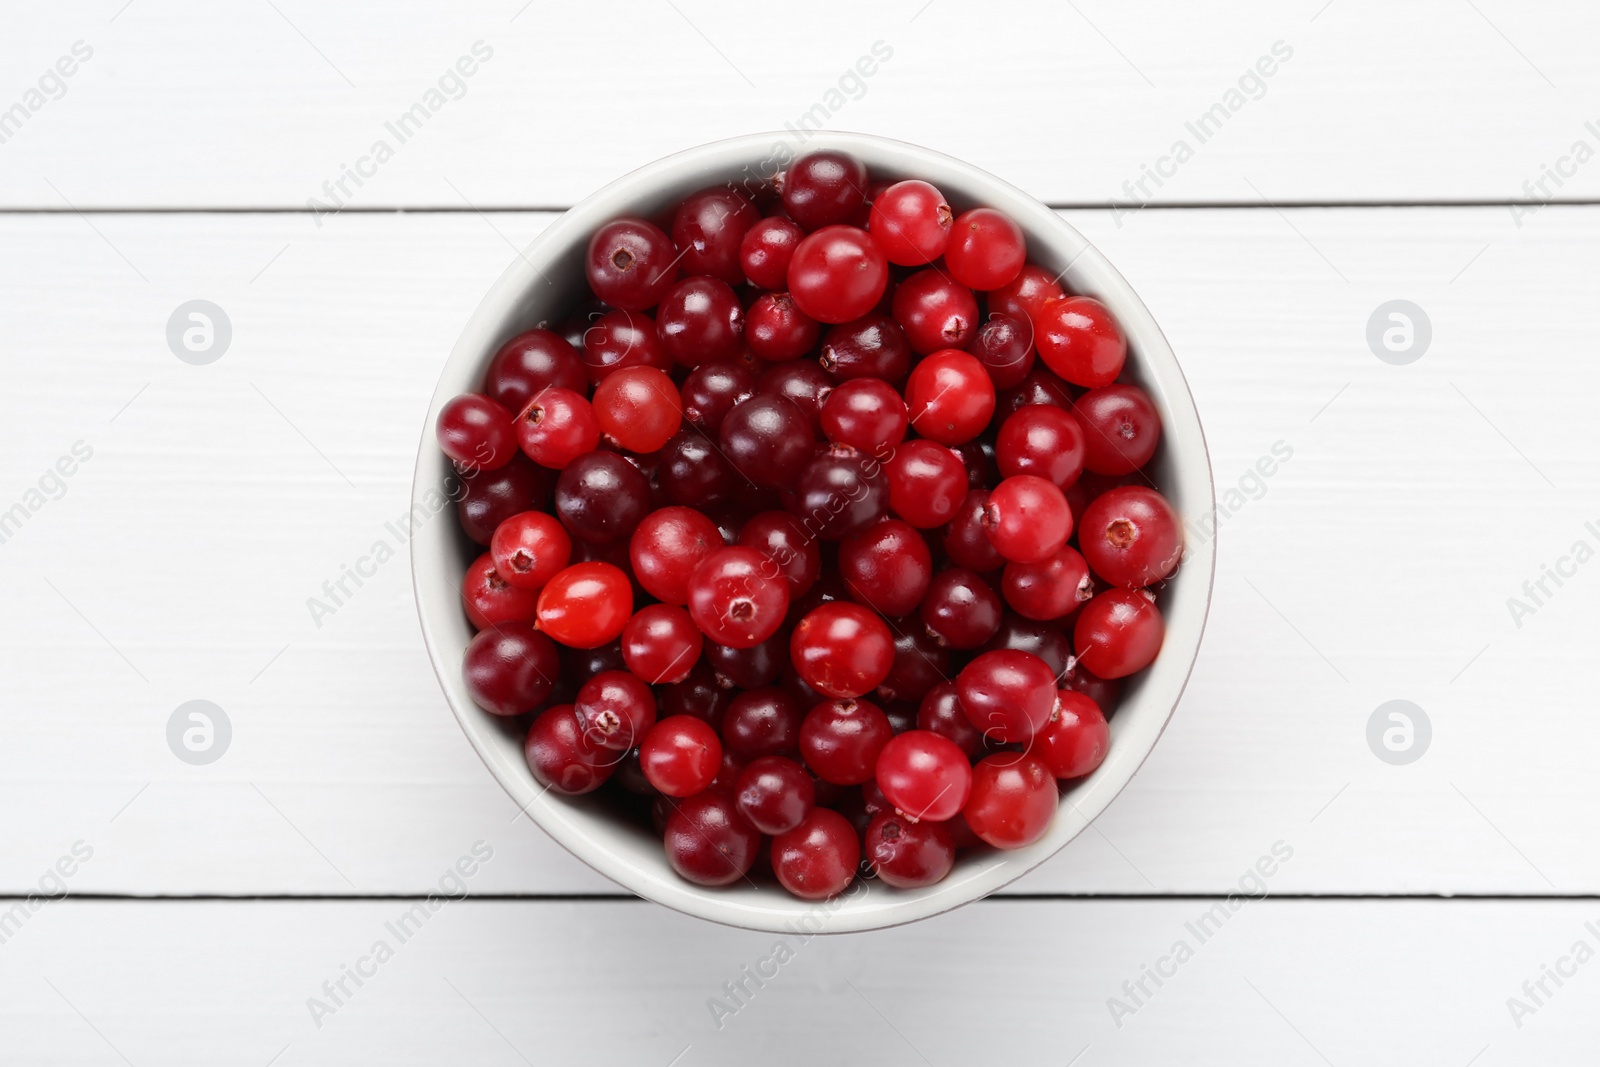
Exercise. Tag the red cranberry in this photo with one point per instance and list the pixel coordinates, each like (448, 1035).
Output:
(1118, 633)
(887, 567)
(762, 721)
(510, 668)
(631, 264)
(818, 858)
(1025, 294)
(638, 408)
(490, 600)
(781, 537)
(1131, 537)
(1080, 341)
(1076, 741)
(778, 330)
(907, 854)
(768, 440)
(940, 712)
(709, 226)
(842, 650)
(1004, 345)
(936, 311)
(1013, 800)
(488, 498)
(700, 320)
(1041, 440)
(621, 339)
(765, 252)
(911, 221)
(960, 609)
(680, 755)
(531, 361)
(774, 794)
(924, 775)
(1008, 695)
(927, 483)
(873, 346)
(557, 427)
(711, 390)
(1049, 589)
(950, 397)
(586, 605)
(601, 497)
(1121, 428)
(529, 548)
(615, 710)
(986, 250)
(666, 548)
(1027, 518)
(708, 842)
(661, 644)
(837, 274)
(864, 413)
(737, 597)
(561, 758)
(823, 188)
(476, 433)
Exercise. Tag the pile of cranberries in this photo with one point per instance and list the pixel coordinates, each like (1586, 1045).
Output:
(818, 538)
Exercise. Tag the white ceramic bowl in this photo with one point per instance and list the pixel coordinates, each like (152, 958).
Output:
(544, 283)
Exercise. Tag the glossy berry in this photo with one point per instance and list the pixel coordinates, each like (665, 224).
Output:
(783, 539)
(698, 695)
(966, 539)
(1013, 800)
(873, 346)
(615, 709)
(866, 414)
(1077, 739)
(586, 605)
(1080, 341)
(737, 597)
(924, 775)
(666, 548)
(529, 548)
(708, 228)
(1042, 639)
(531, 361)
(708, 842)
(700, 320)
(631, 263)
(1004, 345)
(911, 223)
(488, 498)
(680, 755)
(561, 758)
(621, 339)
(1027, 518)
(837, 274)
(803, 384)
(774, 794)
(661, 644)
(1025, 294)
(841, 492)
(936, 311)
(765, 252)
(818, 858)
(711, 390)
(1118, 633)
(920, 663)
(1131, 536)
(601, 497)
(1038, 386)
(907, 854)
(950, 397)
(842, 649)
(1041, 440)
(510, 668)
(638, 408)
(763, 721)
(1103, 691)
(960, 609)
(1050, 589)
(557, 427)
(476, 432)
(823, 188)
(778, 330)
(927, 483)
(887, 567)
(940, 712)
(986, 250)
(1009, 695)
(1121, 428)
(768, 440)
(693, 471)
(490, 600)
(749, 668)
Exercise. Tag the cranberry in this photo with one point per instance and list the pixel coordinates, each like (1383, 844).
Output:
(1045, 640)
(601, 497)
(907, 854)
(476, 433)
(1079, 340)
(749, 668)
(919, 664)
(887, 567)
(1131, 537)
(557, 427)
(1076, 741)
(782, 539)
(488, 498)
(924, 775)
(661, 644)
(765, 252)
(873, 346)
(1049, 589)
(615, 710)
(1013, 800)
(586, 605)
(966, 540)
(510, 668)
(1027, 518)
(823, 188)
(700, 320)
(940, 712)
(842, 650)
(936, 311)
(987, 249)
(927, 483)
(1041, 440)
(531, 361)
(802, 383)
(698, 695)
(1004, 345)
(561, 758)
(708, 842)
(840, 492)
(490, 600)
(631, 264)
(709, 227)
(737, 598)
(680, 755)
(818, 858)
(837, 274)
(1121, 428)
(1038, 386)
(529, 548)
(950, 397)
(1008, 695)
(774, 794)
(960, 609)
(778, 330)
(621, 339)
(911, 221)
(711, 390)
(768, 440)
(1118, 632)
(694, 471)
(1025, 294)
(866, 414)
(762, 721)
(666, 548)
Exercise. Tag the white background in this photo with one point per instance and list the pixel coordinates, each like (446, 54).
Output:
(1379, 162)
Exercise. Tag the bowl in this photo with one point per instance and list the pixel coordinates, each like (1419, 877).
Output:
(547, 279)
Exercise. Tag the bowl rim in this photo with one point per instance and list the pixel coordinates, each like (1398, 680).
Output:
(768, 908)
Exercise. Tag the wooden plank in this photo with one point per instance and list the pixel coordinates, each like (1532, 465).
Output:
(185, 104)
(1373, 565)
(1274, 982)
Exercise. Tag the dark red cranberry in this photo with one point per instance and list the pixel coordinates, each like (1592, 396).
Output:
(824, 188)
(709, 227)
(887, 567)
(1121, 428)
(762, 722)
(510, 668)
(841, 492)
(710, 392)
(631, 264)
(873, 346)
(908, 854)
(768, 440)
(1004, 345)
(488, 498)
(774, 794)
(531, 361)
(802, 382)
(694, 472)
(700, 320)
(936, 311)
(920, 663)
(708, 842)
(961, 610)
(601, 497)
(940, 711)
(783, 539)
(561, 758)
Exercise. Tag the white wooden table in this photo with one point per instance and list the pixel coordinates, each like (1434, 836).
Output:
(211, 908)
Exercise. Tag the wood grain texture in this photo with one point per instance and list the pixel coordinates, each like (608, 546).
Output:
(188, 104)
(1374, 564)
